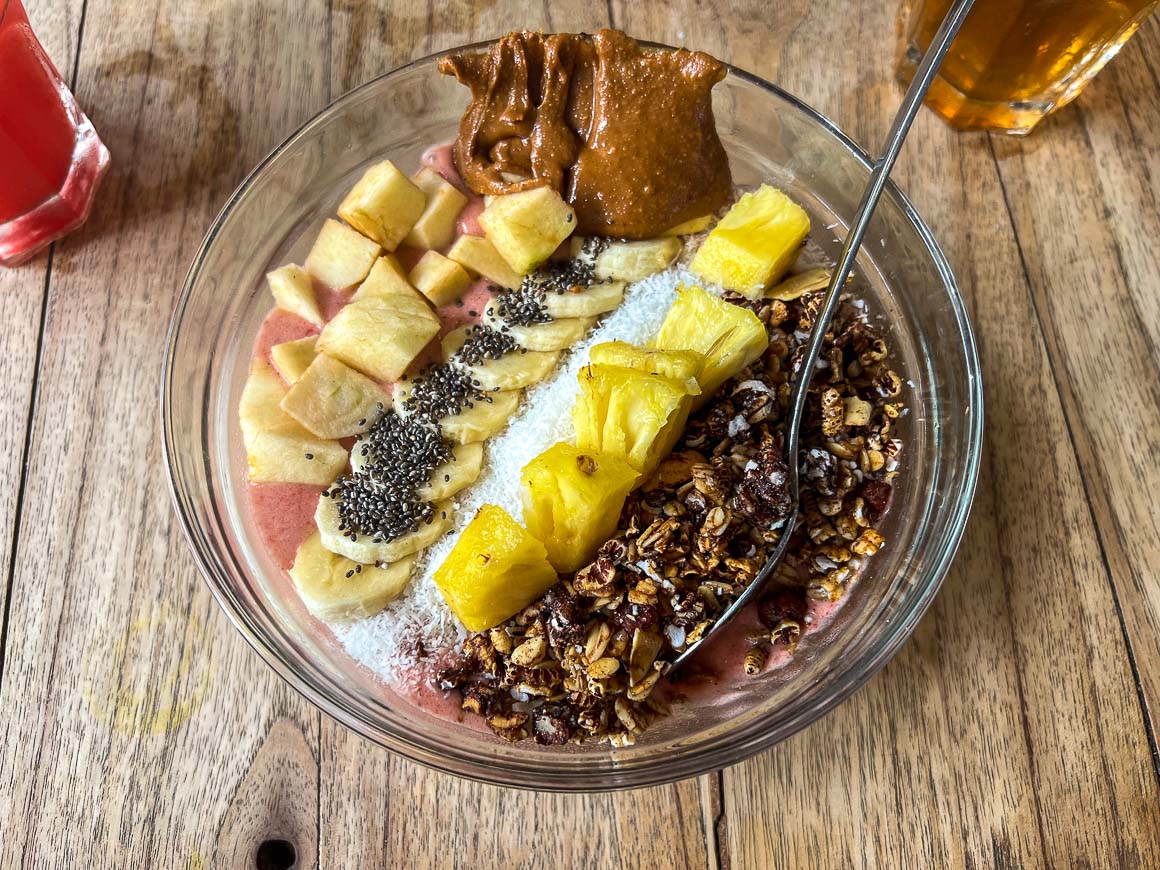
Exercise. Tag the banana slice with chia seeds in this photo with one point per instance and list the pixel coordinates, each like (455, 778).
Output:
(553, 335)
(460, 471)
(488, 415)
(632, 261)
(512, 367)
(335, 588)
(589, 301)
(364, 549)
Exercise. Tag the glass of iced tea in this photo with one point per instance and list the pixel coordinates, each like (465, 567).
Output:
(51, 159)
(1014, 61)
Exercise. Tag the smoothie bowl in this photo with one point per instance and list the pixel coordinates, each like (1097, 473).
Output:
(508, 439)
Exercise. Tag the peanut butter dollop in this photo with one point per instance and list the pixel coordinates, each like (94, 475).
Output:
(625, 134)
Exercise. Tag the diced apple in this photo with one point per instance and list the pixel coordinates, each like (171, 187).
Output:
(332, 400)
(387, 278)
(291, 358)
(383, 205)
(294, 292)
(754, 244)
(341, 257)
(689, 227)
(380, 335)
(278, 449)
(436, 225)
(479, 257)
(526, 227)
(441, 280)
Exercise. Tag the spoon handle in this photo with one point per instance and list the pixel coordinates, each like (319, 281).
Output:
(911, 102)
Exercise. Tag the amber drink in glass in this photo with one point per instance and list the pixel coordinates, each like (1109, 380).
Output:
(1015, 61)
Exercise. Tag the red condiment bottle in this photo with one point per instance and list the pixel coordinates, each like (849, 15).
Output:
(51, 159)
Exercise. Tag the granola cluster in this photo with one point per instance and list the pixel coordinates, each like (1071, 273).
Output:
(582, 663)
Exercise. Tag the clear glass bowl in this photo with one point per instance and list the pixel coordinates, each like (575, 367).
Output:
(770, 136)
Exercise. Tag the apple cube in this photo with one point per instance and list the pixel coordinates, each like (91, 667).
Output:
(436, 225)
(383, 205)
(294, 292)
(387, 278)
(332, 400)
(380, 335)
(479, 257)
(291, 358)
(341, 257)
(278, 449)
(441, 280)
(526, 227)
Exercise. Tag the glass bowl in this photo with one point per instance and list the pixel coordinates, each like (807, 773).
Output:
(770, 136)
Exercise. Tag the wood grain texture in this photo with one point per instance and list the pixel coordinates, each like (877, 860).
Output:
(137, 729)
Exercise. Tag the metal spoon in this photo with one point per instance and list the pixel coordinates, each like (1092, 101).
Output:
(898, 130)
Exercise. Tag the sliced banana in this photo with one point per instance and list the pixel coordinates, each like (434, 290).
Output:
(482, 421)
(587, 302)
(553, 335)
(633, 261)
(512, 371)
(461, 470)
(334, 588)
(363, 549)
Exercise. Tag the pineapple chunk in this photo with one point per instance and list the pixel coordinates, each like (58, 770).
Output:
(730, 337)
(689, 227)
(635, 415)
(383, 205)
(294, 292)
(324, 586)
(479, 257)
(526, 227)
(386, 278)
(380, 335)
(572, 501)
(494, 571)
(363, 548)
(333, 400)
(755, 243)
(436, 226)
(633, 261)
(587, 302)
(441, 280)
(277, 447)
(291, 358)
(341, 257)
(683, 365)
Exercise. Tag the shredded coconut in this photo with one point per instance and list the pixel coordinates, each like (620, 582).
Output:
(387, 642)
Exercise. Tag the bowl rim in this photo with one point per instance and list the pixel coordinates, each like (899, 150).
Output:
(476, 769)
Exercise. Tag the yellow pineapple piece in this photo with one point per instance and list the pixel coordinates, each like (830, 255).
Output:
(526, 227)
(294, 292)
(495, 570)
(441, 280)
(684, 365)
(755, 243)
(334, 588)
(689, 227)
(632, 414)
(341, 257)
(479, 257)
(729, 336)
(292, 358)
(380, 335)
(278, 448)
(386, 278)
(383, 205)
(332, 400)
(572, 501)
(436, 225)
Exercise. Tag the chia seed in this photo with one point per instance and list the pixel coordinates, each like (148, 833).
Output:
(443, 391)
(523, 307)
(485, 343)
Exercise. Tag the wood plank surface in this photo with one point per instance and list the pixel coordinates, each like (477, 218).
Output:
(137, 729)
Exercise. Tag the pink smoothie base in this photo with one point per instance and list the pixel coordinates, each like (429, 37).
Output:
(283, 513)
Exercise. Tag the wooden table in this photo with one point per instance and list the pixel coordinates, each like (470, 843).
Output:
(1016, 728)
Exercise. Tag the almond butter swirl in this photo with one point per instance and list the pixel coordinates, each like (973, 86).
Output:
(624, 133)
